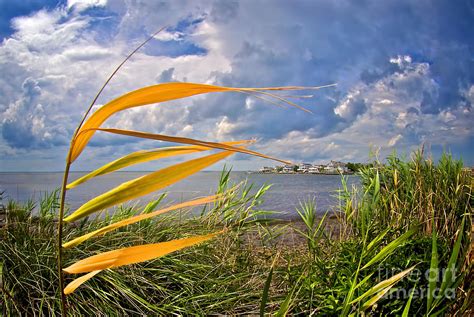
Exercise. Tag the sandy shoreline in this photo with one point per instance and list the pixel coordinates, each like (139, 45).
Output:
(287, 234)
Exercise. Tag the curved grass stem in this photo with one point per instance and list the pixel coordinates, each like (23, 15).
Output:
(66, 174)
(60, 238)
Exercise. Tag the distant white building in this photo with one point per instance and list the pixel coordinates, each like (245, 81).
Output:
(336, 167)
(331, 170)
(267, 169)
(288, 169)
(316, 169)
(304, 167)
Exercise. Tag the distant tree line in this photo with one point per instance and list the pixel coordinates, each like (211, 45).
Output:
(355, 167)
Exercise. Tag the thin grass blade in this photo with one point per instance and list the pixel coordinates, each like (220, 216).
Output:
(384, 285)
(286, 305)
(375, 242)
(142, 157)
(433, 275)
(449, 275)
(71, 287)
(389, 248)
(153, 204)
(266, 289)
(136, 254)
(132, 220)
(406, 310)
(364, 280)
(168, 138)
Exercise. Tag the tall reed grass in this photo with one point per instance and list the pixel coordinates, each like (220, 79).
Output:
(207, 279)
(402, 245)
(334, 269)
(90, 124)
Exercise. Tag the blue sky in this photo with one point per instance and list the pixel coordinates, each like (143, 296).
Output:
(404, 72)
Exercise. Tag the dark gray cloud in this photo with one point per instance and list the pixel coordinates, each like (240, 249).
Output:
(27, 124)
(404, 72)
(166, 76)
(224, 11)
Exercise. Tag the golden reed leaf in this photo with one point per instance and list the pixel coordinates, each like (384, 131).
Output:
(156, 94)
(71, 287)
(132, 220)
(146, 184)
(144, 156)
(136, 254)
(140, 97)
(169, 138)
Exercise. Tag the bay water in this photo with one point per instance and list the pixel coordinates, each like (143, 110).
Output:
(285, 195)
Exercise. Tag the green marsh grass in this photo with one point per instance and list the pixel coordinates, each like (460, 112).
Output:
(185, 283)
(404, 246)
(254, 269)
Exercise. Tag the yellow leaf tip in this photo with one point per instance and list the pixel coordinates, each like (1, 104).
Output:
(71, 287)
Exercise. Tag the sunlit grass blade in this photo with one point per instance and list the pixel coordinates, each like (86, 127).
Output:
(139, 97)
(284, 88)
(406, 310)
(156, 94)
(168, 138)
(146, 184)
(376, 298)
(144, 156)
(132, 220)
(290, 298)
(433, 275)
(71, 287)
(389, 248)
(136, 254)
(449, 275)
(383, 286)
(375, 242)
(266, 288)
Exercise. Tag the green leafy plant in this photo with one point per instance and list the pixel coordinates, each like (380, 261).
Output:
(314, 230)
(438, 298)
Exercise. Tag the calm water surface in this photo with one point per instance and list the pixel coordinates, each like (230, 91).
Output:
(286, 193)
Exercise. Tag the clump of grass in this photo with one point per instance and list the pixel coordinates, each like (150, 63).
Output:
(416, 192)
(399, 269)
(185, 283)
(405, 246)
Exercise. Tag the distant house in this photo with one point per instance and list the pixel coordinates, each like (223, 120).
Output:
(304, 167)
(331, 170)
(267, 169)
(336, 167)
(288, 169)
(316, 169)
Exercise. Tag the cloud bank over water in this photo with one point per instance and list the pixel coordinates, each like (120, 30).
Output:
(404, 70)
